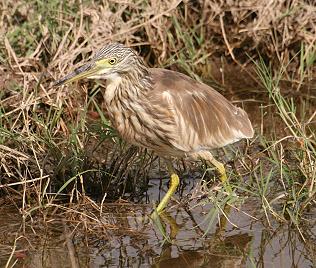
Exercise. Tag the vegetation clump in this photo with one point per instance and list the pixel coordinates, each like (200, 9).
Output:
(58, 141)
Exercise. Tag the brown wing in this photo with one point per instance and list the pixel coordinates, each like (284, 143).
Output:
(203, 117)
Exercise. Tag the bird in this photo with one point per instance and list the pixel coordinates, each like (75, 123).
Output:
(162, 110)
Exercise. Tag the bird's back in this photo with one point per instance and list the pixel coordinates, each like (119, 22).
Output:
(203, 118)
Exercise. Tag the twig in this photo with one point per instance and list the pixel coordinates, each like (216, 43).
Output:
(146, 22)
(230, 50)
(70, 247)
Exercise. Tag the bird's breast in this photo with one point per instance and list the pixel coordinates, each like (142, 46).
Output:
(139, 126)
(140, 119)
(120, 121)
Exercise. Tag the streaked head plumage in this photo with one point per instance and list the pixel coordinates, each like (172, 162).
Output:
(112, 59)
(116, 50)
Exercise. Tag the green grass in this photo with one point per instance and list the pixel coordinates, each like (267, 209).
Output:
(291, 157)
(67, 151)
(62, 160)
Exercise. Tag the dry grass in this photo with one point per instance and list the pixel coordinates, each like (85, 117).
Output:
(53, 140)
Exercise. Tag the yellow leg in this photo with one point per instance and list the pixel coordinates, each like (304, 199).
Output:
(223, 219)
(174, 227)
(222, 173)
(174, 182)
(206, 155)
(220, 168)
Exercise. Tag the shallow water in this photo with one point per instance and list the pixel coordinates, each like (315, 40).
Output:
(129, 238)
(132, 240)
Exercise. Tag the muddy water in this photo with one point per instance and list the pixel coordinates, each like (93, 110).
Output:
(132, 240)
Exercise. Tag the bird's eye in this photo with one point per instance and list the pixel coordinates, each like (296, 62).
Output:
(112, 61)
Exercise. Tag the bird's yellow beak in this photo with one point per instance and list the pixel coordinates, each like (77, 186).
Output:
(84, 71)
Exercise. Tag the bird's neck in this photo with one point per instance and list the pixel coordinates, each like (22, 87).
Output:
(132, 85)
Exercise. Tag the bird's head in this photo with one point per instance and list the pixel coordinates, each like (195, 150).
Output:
(109, 62)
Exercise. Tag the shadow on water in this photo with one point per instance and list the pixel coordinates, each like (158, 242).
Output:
(124, 236)
(130, 239)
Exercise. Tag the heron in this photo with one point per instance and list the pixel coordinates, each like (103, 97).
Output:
(163, 110)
